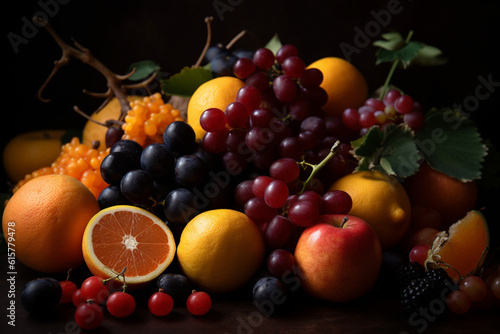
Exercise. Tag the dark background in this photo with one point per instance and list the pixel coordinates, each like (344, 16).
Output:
(173, 34)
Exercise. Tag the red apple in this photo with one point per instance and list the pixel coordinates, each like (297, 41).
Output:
(339, 258)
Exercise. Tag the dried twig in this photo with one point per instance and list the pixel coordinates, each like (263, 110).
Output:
(116, 88)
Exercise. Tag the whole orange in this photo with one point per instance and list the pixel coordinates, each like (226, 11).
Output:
(46, 219)
(449, 196)
(343, 82)
(215, 93)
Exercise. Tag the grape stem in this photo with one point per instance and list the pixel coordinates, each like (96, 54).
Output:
(122, 274)
(393, 69)
(316, 168)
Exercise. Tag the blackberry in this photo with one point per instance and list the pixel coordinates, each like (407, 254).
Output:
(408, 272)
(418, 293)
(439, 280)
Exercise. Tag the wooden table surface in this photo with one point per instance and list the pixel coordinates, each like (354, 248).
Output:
(377, 312)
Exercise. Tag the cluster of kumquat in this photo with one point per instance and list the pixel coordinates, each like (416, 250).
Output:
(77, 160)
(148, 119)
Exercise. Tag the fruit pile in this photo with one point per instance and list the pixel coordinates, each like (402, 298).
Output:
(77, 160)
(268, 182)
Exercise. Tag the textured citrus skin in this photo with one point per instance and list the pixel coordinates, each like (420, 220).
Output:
(215, 93)
(49, 215)
(381, 201)
(345, 85)
(220, 250)
(131, 238)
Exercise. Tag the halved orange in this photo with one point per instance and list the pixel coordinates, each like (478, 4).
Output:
(462, 249)
(127, 237)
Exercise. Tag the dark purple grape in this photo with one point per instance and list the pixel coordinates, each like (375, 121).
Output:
(41, 295)
(113, 134)
(178, 286)
(180, 207)
(137, 186)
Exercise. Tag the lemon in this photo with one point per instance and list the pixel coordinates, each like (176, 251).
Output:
(381, 201)
(215, 93)
(220, 250)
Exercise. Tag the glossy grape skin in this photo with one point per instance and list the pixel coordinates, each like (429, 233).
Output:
(41, 295)
(137, 186)
(213, 119)
(68, 289)
(189, 171)
(160, 304)
(213, 51)
(199, 303)
(272, 292)
(258, 211)
(303, 213)
(157, 160)
(120, 304)
(280, 263)
(180, 138)
(278, 232)
(178, 286)
(95, 289)
(130, 148)
(179, 207)
(276, 194)
(263, 58)
(336, 202)
(115, 165)
(89, 315)
(111, 196)
(222, 64)
(113, 135)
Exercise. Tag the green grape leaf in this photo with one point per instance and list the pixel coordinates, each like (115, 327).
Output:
(143, 69)
(274, 44)
(405, 54)
(391, 150)
(392, 41)
(186, 81)
(429, 56)
(451, 143)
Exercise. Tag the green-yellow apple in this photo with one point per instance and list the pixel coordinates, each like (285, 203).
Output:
(30, 151)
(339, 258)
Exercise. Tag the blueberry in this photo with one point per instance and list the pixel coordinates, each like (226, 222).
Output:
(41, 295)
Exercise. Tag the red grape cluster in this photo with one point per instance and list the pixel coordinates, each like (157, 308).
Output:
(394, 108)
(282, 215)
(277, 114)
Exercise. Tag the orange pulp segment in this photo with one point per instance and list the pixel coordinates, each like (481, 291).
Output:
(128, 237)
(462, 249)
